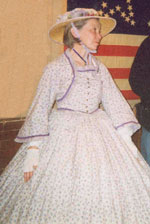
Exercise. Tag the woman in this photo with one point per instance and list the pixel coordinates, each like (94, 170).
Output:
(81, 165)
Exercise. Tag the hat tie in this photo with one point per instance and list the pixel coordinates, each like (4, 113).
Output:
(79, 55)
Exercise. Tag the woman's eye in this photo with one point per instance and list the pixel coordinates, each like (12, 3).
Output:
(94, 30)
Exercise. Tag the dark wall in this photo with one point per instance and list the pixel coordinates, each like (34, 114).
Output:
(8, 147)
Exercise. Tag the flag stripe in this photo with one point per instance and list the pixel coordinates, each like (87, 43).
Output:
(133, 102)
(123, 84)
(116, 62)
(117, 50)
(120, 73)
(129, 94)
(123, 39)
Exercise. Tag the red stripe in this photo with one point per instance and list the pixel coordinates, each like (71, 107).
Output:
(129, 95)
(120, 73)
(116, 50)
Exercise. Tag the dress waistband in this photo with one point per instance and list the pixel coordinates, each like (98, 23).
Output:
(86, 112)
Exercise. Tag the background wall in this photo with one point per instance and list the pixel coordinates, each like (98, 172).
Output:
(25, 49)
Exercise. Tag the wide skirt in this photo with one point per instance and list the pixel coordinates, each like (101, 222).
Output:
(86, 175)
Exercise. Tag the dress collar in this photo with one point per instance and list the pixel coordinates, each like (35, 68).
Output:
(94, 68)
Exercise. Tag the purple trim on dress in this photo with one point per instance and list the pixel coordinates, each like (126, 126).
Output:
(79, 54)
(88, 70)
(63, 108)
(72, 79)
(32, 136)
(126, 123)
(94, 111)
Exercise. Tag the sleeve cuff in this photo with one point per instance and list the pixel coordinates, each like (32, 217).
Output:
(125, 131)
(34, 143)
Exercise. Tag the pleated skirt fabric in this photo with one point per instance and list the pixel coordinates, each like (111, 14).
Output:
(86, 175)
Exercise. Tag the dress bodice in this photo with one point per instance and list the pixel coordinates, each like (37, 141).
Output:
(84, 93)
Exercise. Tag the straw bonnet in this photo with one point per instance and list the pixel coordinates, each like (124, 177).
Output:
(56, 32)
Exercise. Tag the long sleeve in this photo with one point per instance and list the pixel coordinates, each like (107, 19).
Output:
(36, 124)
(139, 78)
(115, 105)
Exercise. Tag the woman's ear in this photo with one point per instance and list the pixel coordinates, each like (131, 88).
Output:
(73, 33)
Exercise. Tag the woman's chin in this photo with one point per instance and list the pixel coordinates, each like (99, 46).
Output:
(93, 48)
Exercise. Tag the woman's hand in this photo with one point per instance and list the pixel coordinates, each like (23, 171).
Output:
(28, 175)
(31, 162)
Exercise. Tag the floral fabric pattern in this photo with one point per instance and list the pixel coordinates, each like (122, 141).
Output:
(87, 174)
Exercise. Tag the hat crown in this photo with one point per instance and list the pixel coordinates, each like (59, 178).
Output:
(76, 13)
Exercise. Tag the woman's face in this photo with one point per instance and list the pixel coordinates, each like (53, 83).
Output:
(90, 34)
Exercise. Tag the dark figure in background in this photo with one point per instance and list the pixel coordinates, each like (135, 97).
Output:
(140, 83)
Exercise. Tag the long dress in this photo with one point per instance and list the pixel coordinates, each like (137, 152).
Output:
(87, 174)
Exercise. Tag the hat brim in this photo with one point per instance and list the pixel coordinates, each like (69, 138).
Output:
(56, 32)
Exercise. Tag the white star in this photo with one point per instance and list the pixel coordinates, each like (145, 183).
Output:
(132, 22)
(127, 19)
(111, 11)
(106, 15)
(123, 14)
(118, 8)
(101, 12)
(130, 7)
(104, 4)
(131, 14)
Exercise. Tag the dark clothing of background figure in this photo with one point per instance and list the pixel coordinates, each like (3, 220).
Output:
(140, 73)
(140, 83)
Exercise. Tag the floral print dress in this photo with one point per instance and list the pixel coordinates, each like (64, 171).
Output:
(87, 174)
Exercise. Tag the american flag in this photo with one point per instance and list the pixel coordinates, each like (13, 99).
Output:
(117, 50)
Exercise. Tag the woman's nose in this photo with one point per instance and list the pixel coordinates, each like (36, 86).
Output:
(99, 36)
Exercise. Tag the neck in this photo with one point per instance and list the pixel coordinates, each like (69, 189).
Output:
(79, 55)
(80, 50)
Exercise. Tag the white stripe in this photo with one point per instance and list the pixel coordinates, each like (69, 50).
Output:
(123, 39)
(123, 84)
(116, 61)
(133, 102)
